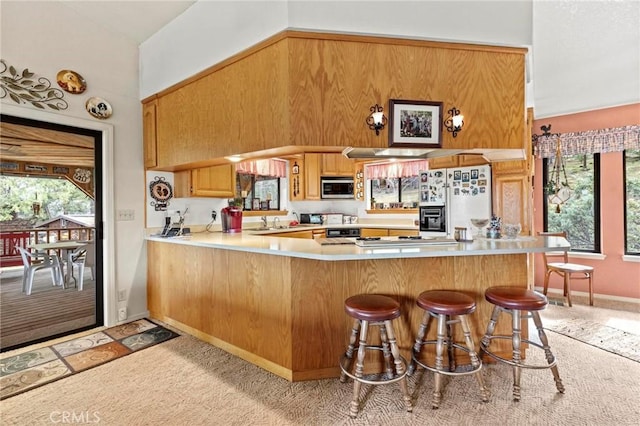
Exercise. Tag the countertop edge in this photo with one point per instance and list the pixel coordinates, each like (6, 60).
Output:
(310, 249)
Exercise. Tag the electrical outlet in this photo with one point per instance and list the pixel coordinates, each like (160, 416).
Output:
(122, 314)
(213, 215)
(122, 295)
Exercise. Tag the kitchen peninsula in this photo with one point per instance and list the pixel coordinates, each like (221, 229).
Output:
(277, 302)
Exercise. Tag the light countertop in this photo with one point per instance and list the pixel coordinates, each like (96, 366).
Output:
(250, 241)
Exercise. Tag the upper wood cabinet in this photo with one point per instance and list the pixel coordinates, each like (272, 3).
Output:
(443, 162)
(149, 134)
(337, 165)
(313, 164)
(297, 90)
(456, 161)
(213, 181)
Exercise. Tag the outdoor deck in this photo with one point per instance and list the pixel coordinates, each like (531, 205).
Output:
(46, 312)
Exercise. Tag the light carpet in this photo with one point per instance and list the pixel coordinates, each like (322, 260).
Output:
(188, 382)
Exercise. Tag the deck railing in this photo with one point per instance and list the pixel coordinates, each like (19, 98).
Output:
(9, 254)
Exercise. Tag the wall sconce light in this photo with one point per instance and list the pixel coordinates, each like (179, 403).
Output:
(376, 120)
(454, 121)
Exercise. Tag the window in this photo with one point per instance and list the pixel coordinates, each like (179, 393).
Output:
(631, 160)
(579, 216)
(395, 185)
(395, 192)
(260, 192)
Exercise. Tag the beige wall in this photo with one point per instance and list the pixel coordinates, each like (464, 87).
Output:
(46, 37)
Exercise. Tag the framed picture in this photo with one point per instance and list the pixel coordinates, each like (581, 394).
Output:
(474, 173)
(256, 204)
(415, 124)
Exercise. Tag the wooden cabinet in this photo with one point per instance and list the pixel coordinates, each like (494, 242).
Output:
(149, 134)
(456, 161)
(512, 199)
(308, 234)
(313, 90)
(336, 165)
(312, 163)
(443, 162)
(374, 232)
(214, 181)
(398, 232)
(512, 188)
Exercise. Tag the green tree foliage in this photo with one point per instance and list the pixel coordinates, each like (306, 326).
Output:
(632, 163)
(57, 196)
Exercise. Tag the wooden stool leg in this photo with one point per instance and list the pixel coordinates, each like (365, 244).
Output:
(399, 365)
(352, 344)
(567, 287)
(475, 361)
(385, 350)
(516, 339)
(450, 353)
(355, 405)
(485, 342)
(590, 288)
(437, 392)
(417, 346)
(547, 351)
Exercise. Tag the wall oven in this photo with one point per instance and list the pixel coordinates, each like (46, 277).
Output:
(336, 187)
(433, 219)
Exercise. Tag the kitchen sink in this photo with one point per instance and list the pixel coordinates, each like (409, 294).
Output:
(271, 228)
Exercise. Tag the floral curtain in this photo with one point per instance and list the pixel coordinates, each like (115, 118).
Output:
(270, 167)
(589, 142)
(399, 169)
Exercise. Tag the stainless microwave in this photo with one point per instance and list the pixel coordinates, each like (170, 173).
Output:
(336, 187)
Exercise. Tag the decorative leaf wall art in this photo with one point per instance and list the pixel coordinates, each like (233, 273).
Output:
(24, 88)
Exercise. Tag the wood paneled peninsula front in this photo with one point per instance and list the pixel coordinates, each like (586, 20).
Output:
(279, 302)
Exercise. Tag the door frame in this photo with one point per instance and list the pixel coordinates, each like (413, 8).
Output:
(108, 242)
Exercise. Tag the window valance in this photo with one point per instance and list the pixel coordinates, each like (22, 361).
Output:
(269, 167)
(589, 142)
(399, 169)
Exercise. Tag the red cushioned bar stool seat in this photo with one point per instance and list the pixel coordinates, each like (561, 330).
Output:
(373, 310)
(514, 301)
(449, 308)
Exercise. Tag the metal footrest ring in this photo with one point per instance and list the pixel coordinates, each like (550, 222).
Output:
(447, 372)
(485, 349)
(396, 377)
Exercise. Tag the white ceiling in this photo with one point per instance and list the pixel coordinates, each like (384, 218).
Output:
(136, 20)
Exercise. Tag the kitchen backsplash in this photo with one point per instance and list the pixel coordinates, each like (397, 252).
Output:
(200, 208)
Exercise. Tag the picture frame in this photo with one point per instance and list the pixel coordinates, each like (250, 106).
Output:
(474, 173)
(415, 124)
(256, 204)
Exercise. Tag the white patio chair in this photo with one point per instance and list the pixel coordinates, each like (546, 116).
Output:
(81, 258)
(33, 262)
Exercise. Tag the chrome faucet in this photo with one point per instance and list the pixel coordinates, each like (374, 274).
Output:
(264, 221)
(276, 221)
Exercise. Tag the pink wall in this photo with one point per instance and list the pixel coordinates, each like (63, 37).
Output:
(612, 276)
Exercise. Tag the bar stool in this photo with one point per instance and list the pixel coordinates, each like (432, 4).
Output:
(375, 310)
(514, 301)
(444, 305)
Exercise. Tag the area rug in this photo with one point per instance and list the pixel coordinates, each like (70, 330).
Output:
(28, 370)
(601, 336)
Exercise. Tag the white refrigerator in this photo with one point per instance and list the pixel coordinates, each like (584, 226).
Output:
(450, 198)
